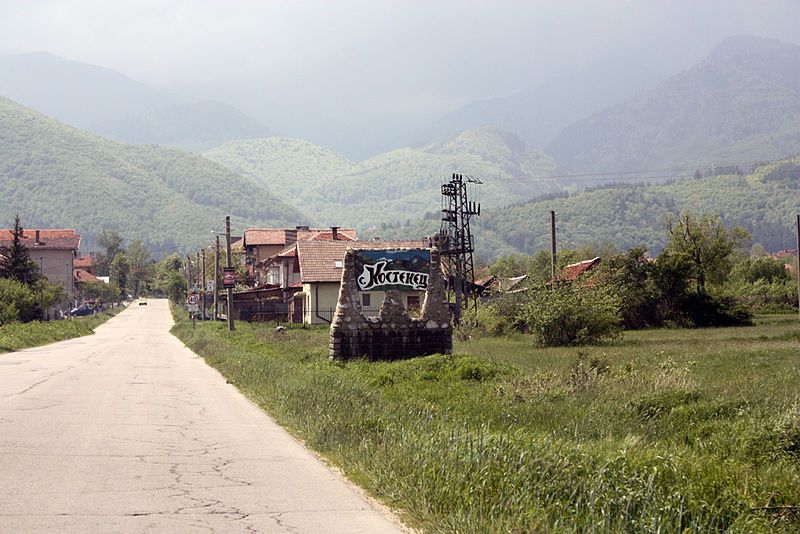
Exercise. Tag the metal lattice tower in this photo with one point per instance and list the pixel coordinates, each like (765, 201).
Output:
(456, 243)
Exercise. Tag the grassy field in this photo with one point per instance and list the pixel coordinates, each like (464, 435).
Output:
(16, 336)
(664, 430)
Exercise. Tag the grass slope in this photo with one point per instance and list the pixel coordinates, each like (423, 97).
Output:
(393, 186)
(55, 175)
(17, 336)
(665, 430)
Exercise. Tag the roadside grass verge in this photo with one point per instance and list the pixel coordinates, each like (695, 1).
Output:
(16, 336)
(664, 430)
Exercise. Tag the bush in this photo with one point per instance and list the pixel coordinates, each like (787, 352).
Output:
(708, 310)
(630, 277)
(571, 315)
(18, 302)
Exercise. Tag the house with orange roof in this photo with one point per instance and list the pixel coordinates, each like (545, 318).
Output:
(574, 271)
(308, 274)
(53, 250)
(85, 263)
(261, 244)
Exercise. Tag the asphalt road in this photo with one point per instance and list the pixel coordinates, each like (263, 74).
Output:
(129, 431)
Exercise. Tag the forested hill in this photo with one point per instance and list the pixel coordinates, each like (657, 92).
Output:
(54, 175)
(764, 202)
(741, 104)
(394, 186)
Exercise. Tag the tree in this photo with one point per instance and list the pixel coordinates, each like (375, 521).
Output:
(100, 290)
(169, 278)
(15, 261)
(705, 245)
(141, 266)
(111, 241)
(120, 269)
(629, 276)
(21, 302)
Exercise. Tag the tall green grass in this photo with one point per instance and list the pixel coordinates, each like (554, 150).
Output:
(662, 431)
(16, 336)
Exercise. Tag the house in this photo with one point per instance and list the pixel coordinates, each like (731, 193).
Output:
(307, 274)
(494, 284)
(82, 277)
(53, 250)
(85, 263)
(783, 254)
(573, 271)
(262, 243)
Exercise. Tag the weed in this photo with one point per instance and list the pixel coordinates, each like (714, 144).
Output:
(671, 431)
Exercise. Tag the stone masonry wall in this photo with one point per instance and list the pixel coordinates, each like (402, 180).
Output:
(394, 334)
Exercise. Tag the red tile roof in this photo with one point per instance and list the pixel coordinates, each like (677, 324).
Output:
(326, 234)
(63, 239)
(265, 236)
(571, 272)
(83, 262)
(784, 253)
(286, 236)
(82, 276)
(317, 258)
(288, 252)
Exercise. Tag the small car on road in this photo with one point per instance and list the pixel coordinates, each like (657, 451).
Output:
(80, 311)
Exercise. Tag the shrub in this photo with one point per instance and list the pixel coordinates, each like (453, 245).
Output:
(630, 277)
(571, 315)
(17, 301)
(708, 310)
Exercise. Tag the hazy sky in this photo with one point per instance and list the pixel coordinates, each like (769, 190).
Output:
(412, 55)
(375, 60)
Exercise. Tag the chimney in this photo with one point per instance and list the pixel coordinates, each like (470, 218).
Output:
(334, 233)
(36, 239)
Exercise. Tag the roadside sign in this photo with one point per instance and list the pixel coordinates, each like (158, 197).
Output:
(192, 308)
(209, 285)
(193, 299)
(228, 277)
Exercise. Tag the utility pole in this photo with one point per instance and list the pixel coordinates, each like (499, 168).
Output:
(455, 238)
(798, 263)
(553, 248)
(229, 264)
(216, 278)
(203, 286)
(197, 275)
(189, 272)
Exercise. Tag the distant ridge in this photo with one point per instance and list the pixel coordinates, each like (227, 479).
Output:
(390, 187)
(113, 105)
(742, 103)
(194, 127)
(58, 176)
(73, 92)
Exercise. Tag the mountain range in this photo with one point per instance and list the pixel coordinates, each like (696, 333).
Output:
(55, 175)
(393, 186)
(739, 105)
(538, 114)
(111, 104)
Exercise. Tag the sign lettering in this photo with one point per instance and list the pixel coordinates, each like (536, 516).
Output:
(377, 275)
(381, 270)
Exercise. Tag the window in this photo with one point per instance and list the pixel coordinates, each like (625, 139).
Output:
(337, 264)
(366, 300)
(413, 302)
